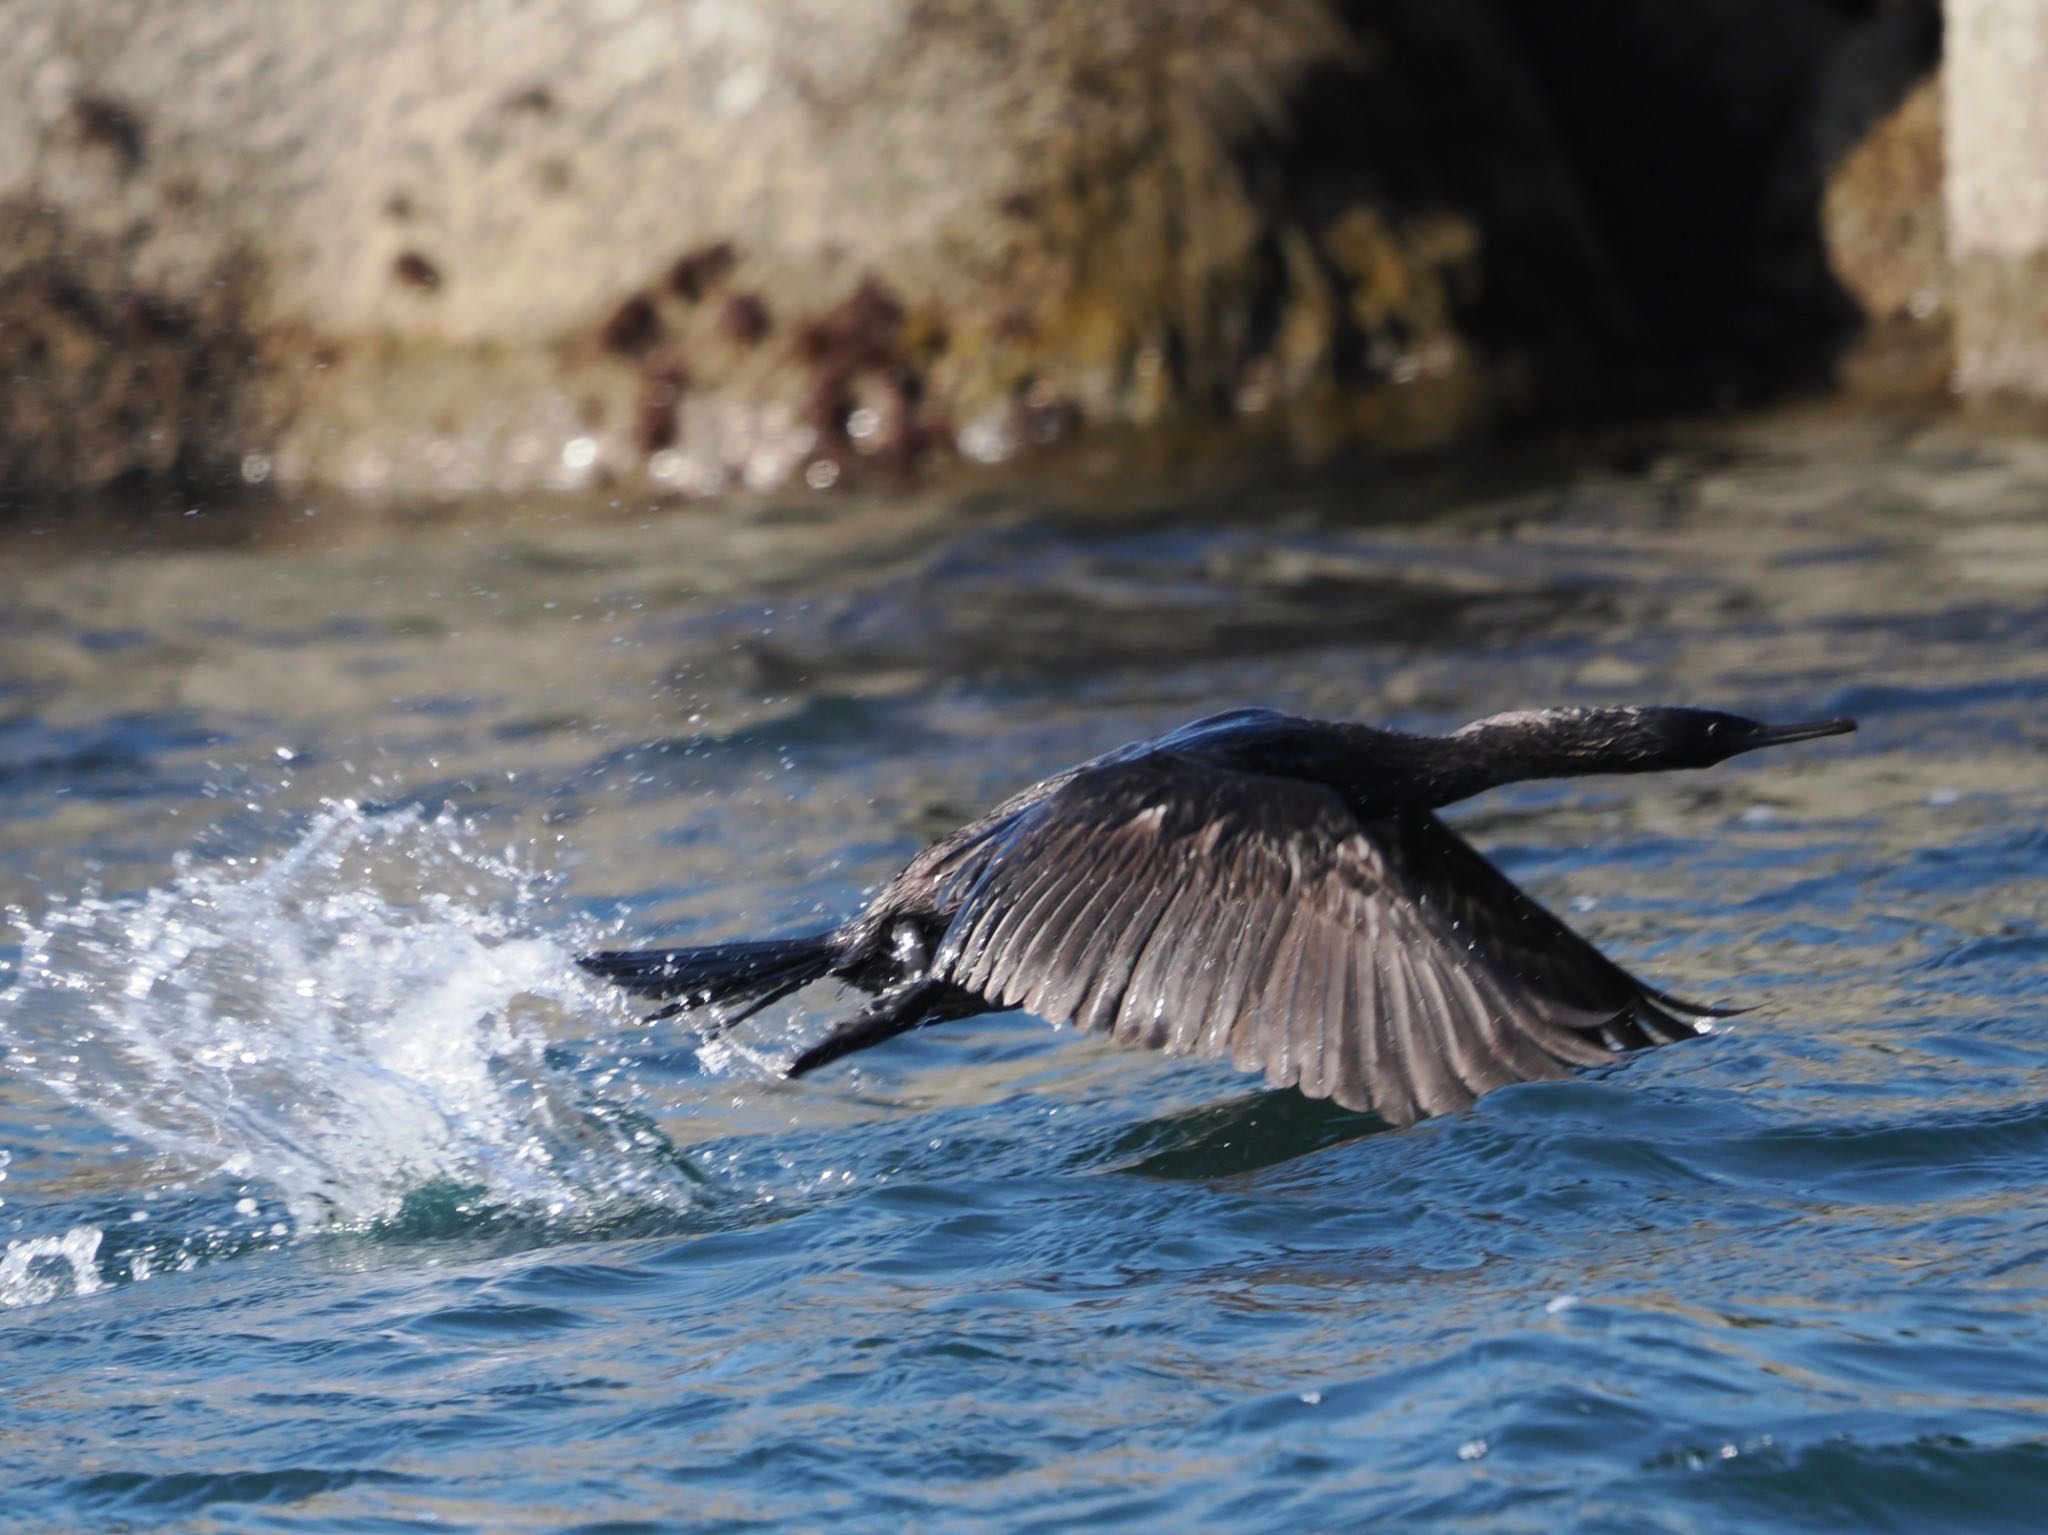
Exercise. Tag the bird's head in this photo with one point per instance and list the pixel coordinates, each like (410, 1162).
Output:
(1638, 740)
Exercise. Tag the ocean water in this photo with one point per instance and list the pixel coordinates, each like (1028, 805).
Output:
(333, 1198)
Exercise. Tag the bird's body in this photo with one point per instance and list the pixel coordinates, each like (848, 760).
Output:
(1255, 887)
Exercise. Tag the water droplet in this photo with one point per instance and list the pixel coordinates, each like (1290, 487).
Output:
(39, 1269)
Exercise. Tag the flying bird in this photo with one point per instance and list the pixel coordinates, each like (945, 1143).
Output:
(1253, 887)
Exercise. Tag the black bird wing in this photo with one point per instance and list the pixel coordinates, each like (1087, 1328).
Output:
(933, 880)
(1530, 942)
(1205, 911)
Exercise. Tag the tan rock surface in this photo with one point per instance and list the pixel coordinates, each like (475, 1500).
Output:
(421, 248)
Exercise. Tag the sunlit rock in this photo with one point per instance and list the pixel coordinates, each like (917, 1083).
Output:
(405, 248)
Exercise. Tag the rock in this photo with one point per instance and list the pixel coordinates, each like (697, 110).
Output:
(1996, 119)
(695, 243)
(1881, 213)
(110, 381)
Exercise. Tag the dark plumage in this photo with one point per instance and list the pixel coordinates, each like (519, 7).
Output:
(1259, 888)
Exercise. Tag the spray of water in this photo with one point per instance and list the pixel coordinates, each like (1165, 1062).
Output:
(363, 1019)
(39, 1269)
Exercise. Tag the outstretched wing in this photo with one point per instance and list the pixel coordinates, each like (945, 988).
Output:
(1208, 912)
(1527, 940)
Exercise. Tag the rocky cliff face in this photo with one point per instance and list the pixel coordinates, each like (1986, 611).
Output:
(692, 243)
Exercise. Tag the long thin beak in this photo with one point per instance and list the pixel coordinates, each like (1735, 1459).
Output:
(1806, 730)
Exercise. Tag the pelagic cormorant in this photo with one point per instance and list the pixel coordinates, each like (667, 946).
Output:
(1254, 887)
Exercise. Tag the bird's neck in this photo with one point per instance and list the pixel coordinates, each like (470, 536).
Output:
(1420, 772)
(1389, 772)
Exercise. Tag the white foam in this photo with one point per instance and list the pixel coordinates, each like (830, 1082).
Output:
(36, 1270)
(363, 1017)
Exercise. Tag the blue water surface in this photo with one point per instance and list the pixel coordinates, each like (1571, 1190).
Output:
(334, 1199)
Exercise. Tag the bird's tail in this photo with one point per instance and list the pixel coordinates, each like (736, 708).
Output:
(723, 976)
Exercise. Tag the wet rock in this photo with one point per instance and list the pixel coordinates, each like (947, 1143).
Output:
(107, 384)
(656, 416)
(746, 321)
(464, 250)
(1871, 163)
(1867, 174)
(631, 328)
(696, 272)
(1881, 214)
(110, 125)
(413, 270)
(1997, 136)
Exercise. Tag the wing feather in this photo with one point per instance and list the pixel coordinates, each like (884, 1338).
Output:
(1156, 983)
(1274, 1033)
(1244, 961)
(1127, 930)
(1419, 1039)
(1480, 1062)
(1043, 886)
(1087, 945)
(1348, 1076)
(1332, 1018)
(1202, 910)
(1049, 956)
(1056, 961)
(1194, 987)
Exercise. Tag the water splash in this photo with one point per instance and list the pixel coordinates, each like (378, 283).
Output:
(360, 1023)
(39, 1269)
